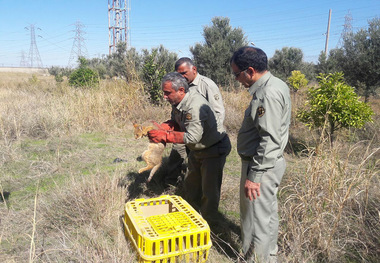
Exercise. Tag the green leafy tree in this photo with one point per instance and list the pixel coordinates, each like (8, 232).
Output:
(134, 62)
(59, 73)
(117, 62)
(308, 69)
(212, 57)
(329, 64)
(297, 80)
(334, 103)
(153, 72)
(359, 59)
(286, 60)
(163, 58)
(100, 66)
(123, 63)
(84, 76)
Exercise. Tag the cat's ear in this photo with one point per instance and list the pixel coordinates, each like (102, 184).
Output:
(135, 125)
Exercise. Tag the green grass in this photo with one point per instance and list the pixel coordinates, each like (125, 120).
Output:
(48, 163)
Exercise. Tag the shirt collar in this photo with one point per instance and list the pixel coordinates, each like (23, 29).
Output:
(196, 80)
(259, 83)
(183, 101)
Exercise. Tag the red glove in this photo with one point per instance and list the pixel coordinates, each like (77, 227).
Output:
(163, 136)
(175, 137)
(169, 125)
(157, 136)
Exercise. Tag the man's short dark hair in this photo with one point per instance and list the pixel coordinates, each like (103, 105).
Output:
(177, 81)
(180, 61)
(254, 57)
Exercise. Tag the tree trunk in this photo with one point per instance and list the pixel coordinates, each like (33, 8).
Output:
(331, 135)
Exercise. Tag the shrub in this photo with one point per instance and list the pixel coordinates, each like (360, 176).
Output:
(84, 77)
(297, 80)
(334, 103)
(152, 75)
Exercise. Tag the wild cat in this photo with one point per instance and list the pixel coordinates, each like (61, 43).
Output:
(153, 155)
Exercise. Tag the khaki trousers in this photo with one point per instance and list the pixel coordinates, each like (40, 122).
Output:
(259, 218)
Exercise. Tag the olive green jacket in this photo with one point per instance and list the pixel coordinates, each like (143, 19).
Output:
(265, 129)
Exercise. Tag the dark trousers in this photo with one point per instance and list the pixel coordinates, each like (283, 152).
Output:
(203, 180)
(176, 163)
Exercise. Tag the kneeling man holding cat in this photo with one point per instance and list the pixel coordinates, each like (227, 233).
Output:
(194, 123)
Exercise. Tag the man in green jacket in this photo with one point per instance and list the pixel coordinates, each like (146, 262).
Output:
(210, 91)
(194, 123)
(261, 142)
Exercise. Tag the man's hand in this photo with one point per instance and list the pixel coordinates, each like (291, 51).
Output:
(157, 136)
(175, 137)
(163, 126)
(252, 190)
(168, 125)
(163, 136)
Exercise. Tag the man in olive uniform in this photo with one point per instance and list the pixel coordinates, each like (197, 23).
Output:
(194, 124)
(205, 86)
(260, 144)
(210, 91)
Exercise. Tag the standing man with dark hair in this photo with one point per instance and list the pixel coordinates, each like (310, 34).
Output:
(210, 91)
(261, 142)
(205, 86)
(194, 124)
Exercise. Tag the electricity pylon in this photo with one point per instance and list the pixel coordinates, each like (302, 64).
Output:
(79, 48)
(118, 23)
(347, 28)
(34, 59)
(23, 62)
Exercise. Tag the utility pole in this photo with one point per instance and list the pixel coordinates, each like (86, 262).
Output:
(118, 23)
(79, 47)
(34, 59)
(328, 34)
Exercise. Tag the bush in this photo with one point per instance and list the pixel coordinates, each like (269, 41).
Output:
(297, 80)
(84, 77)
(334, 103)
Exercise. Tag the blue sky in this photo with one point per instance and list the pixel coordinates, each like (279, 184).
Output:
(177, 25)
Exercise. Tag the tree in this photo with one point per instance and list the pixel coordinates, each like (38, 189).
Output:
(359, 58)
(213, 56)
(297, 80)
(334, 103)
(83, 76)
(59, 73)
(163, 58)
(117, 62)
(156, 64)
(99, 65)
(329, 64)
(284, 61)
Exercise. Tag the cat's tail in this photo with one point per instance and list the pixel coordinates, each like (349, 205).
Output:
(152, 172)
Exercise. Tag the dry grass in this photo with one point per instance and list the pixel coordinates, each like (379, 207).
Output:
(62, 195)
(330, 207)
(42, 109)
